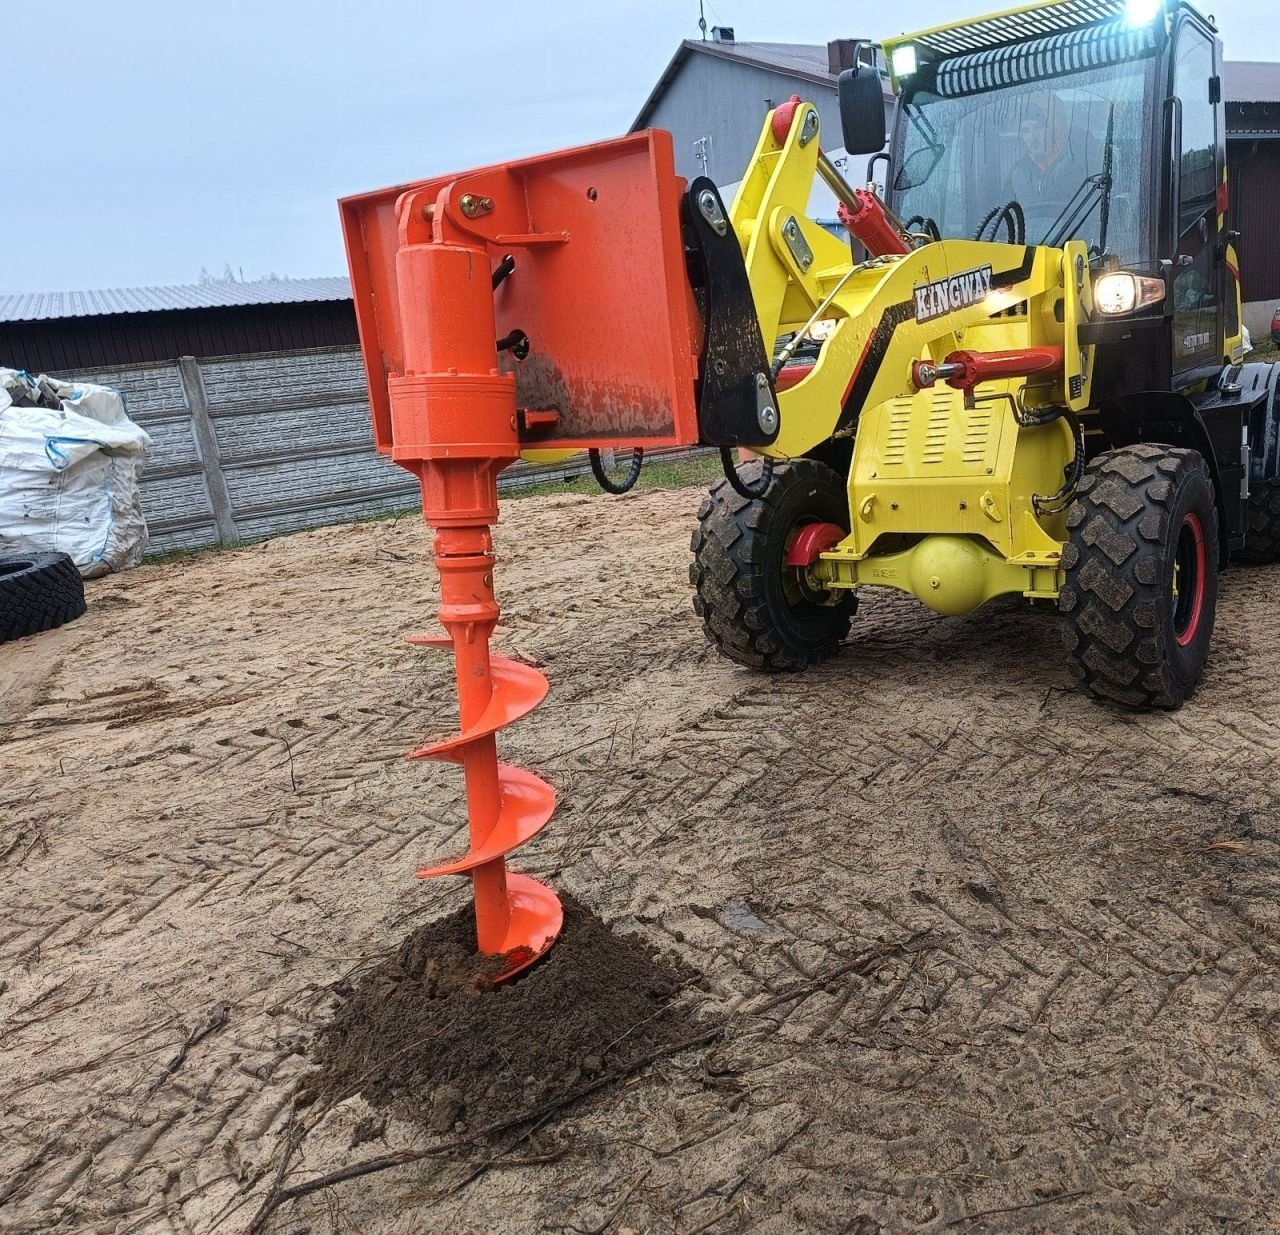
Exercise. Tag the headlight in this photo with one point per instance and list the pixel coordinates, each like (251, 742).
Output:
(903, 60)
(1138, 13)
(1121, 292)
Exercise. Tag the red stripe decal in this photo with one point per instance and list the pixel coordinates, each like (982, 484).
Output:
(853, 377)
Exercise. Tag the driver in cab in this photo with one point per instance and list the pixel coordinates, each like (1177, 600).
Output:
(1043, 174)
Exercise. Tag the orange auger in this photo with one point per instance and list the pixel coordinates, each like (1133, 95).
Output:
(477, 298)
(453, 420)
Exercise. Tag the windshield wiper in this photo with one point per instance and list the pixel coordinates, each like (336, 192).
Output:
(1094, 191)
(929, 135)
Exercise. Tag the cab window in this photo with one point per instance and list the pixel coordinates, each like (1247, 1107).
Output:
(1196, 306)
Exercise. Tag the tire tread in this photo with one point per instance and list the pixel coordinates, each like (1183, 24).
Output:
(728, 575)
(49, 593)
(1110, 601)
(1262, 528)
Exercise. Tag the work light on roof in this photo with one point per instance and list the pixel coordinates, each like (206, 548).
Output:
(903, 60)
(1139, 13)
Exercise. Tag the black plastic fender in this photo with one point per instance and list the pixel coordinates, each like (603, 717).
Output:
(1170, 418)
(1264, 423)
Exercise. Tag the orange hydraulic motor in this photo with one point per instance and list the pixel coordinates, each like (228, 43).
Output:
(541, 303)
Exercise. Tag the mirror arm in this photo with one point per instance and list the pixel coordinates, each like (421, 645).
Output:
(888, 168)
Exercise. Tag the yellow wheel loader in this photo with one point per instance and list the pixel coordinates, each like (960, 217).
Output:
(1021, 373)
(1031, 382)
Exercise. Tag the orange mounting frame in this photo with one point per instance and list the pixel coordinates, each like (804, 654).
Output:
(599, 287)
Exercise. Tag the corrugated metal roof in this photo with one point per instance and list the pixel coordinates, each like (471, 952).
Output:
(43, 306)
(1251, 81)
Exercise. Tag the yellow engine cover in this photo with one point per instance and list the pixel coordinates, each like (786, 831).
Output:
(936, 435)
(930, 464)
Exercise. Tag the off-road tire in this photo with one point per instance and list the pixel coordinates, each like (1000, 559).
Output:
(738, 571)
(38, 591)
(1262, 531)
(1140, 511)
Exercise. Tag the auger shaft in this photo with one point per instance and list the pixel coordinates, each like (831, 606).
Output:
(469, 613)
(454, 420)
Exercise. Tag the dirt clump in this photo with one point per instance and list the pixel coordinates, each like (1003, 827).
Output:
(428, 1034)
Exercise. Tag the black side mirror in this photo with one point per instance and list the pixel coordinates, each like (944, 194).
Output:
(862, 110)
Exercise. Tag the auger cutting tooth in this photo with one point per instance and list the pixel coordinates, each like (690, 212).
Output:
(535, 921)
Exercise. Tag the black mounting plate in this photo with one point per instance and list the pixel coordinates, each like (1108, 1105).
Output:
(733, 352)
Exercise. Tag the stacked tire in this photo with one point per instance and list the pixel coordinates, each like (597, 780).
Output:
(38, 591)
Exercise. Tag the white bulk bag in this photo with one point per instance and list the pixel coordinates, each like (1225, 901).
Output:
(70, 459)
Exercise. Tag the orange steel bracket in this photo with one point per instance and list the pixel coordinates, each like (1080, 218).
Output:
(599, 288)
(598, 292)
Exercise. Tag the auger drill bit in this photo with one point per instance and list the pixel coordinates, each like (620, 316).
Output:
(485, 333)
(455, 427)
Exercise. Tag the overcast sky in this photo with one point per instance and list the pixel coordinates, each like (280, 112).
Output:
(145, 139)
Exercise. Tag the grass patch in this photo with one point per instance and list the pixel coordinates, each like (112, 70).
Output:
(660, 474)
(169, 556)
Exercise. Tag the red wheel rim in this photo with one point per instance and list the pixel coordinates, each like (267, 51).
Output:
(1188, 609)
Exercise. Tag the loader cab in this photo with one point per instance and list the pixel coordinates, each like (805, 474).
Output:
(1109, 131)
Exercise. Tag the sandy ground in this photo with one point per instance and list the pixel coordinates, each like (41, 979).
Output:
(991, 957)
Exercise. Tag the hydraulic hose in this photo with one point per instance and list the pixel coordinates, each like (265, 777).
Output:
(750, 491)
(616, 486)
(1058, 502)
(1013, 218)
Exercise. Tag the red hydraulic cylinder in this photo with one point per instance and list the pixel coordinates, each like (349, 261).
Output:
(964, 370)
(869, 224)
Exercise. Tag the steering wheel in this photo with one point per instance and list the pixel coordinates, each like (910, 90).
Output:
(1011, 215)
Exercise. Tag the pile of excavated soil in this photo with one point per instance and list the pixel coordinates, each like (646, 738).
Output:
(427, 1034)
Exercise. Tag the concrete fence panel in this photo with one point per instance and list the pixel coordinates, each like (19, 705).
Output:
(248, 447)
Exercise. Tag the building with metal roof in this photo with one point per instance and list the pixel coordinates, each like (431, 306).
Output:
(65, 332)
(1251, 91)
(209, 294)
(713, 95)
